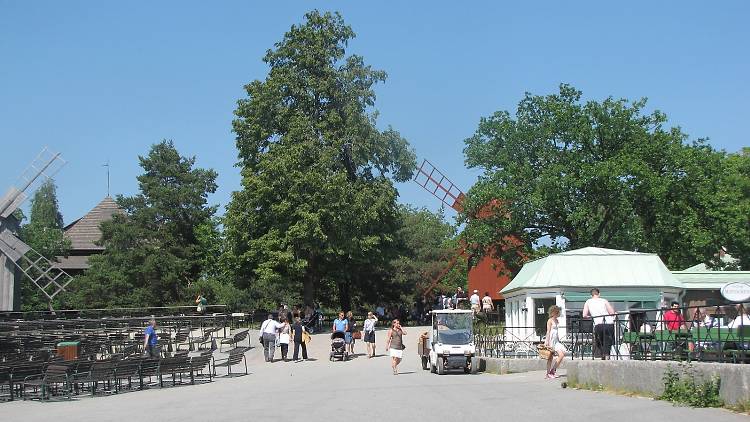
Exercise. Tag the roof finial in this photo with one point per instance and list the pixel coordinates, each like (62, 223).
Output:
(107, 166)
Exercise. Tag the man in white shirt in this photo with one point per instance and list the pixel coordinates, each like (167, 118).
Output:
(474, 299)
(603, 315)
(268, 331)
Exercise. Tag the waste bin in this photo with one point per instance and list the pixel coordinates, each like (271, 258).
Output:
(68, 349)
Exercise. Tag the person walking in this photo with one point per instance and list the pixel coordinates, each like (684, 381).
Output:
(552, 340)
(602, 312)
(285, 332)
(487, 305)
(395, 344)
(369, 328)
(297, 330)
(350, 330)
(268, 330)
(340, 323)
(474, 300)
(150, 339)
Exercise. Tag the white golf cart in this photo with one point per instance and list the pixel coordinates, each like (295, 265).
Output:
(450, 343)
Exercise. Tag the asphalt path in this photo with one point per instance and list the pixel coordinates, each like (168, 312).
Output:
(362, 388)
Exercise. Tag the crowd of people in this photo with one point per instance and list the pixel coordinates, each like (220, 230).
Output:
(278, 332)
(459, 299)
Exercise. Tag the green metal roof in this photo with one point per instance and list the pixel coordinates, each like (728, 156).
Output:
(594, 267)
(710, 280)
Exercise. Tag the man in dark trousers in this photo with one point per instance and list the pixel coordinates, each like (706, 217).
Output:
(298, 328)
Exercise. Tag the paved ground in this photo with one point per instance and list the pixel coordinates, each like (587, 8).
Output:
(320, 390)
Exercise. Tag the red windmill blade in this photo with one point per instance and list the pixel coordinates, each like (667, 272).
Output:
(438, 184)
(484, 276)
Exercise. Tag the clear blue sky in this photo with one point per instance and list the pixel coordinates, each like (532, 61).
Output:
(105, 80)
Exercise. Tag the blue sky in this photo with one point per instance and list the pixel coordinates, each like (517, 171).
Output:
(100, 81)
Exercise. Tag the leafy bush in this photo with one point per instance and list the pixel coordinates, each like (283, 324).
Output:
(687, 389)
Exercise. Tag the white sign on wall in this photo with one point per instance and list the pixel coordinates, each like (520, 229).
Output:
(736, 292)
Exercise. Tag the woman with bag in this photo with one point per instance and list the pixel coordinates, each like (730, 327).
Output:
(369, 328)
(552, 341)
(395, 344)
(350, 332)
(284, 337)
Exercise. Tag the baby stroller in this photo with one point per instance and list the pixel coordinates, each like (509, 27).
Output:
(338, 346)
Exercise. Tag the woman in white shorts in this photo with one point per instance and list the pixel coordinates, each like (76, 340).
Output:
(552, 340)
(395, 344)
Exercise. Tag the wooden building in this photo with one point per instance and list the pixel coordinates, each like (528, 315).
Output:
(84, 234)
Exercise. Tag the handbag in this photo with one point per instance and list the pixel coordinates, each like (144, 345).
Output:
(357, 335)
(545, 352)
(284, 338)
(306, 337)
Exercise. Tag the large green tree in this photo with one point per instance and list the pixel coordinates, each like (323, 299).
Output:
(44, 233)
(734, 194)
(159, 247)
(428, 245)
(317, 211)
(572, 174)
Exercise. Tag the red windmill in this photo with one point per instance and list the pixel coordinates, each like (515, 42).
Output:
(489, 274)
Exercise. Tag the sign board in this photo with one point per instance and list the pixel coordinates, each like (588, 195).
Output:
(736, 292)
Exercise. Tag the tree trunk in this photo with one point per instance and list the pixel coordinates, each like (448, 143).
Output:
(345, 297)
(309, 281)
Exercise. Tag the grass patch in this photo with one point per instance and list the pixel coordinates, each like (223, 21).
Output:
(683, 387)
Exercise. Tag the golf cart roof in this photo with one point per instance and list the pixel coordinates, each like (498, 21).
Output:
(452, 311)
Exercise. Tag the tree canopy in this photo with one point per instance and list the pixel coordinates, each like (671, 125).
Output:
(317, 209)
(428, 244)
(572, 174)
(155, 251)
(44, 233)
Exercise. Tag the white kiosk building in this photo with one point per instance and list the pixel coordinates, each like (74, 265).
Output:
(629, 280)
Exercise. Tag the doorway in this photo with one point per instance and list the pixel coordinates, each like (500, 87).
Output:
(540, 315)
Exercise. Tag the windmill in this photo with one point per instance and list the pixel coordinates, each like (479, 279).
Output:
(487, 274)
(16, 257)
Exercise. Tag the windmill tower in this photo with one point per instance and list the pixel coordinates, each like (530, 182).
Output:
(17, 259)
(486, 275)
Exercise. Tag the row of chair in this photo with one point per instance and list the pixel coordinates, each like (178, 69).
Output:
(65, 378)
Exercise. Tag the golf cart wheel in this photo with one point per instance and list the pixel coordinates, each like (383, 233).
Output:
(425, 363)
(440, 366)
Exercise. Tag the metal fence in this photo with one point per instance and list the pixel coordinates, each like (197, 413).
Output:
(717, 333)
(506, 342)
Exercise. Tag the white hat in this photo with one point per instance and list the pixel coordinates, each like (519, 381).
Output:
(476, 291)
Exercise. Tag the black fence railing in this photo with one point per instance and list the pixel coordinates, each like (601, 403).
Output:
(718, 333)
(506, 342)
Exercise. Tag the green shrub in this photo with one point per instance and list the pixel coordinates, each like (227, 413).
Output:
(686, 389)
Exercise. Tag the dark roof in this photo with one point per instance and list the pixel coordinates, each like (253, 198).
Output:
(72, 263)
(83, 232)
